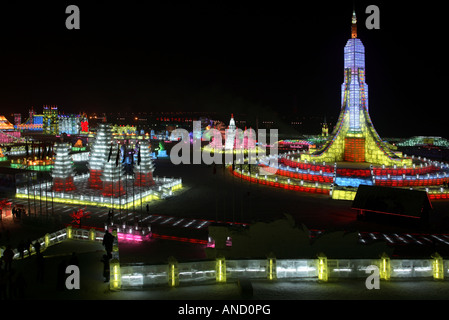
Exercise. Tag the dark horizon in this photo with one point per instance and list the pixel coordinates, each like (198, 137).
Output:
(281, 60)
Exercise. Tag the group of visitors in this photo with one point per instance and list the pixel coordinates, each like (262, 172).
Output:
(23, 246)
(12, 277)
(17, 212)
(12, 280)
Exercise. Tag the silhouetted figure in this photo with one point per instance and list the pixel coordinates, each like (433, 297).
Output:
(19, 286)
(109, 217)
(148, 209)
(108, 241)
(8, 255)
(61, 275)
(28, 247)
(3, 285)
(106, 269)
(21, 248)
(40, 268)
(37, 247)
(73, 260)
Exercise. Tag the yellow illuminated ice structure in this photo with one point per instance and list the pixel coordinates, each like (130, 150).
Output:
(115, 277)
(47, 240)
(220, 269)
(376, 151)
(438, 267)
(115, 244)
(69, 232)
(173, 273)
(384, 269)
(92, 234)
(322, 268)
(343, 194)
(80, 199)
(271, 268)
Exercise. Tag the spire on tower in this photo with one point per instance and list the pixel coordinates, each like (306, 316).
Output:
(354, 25)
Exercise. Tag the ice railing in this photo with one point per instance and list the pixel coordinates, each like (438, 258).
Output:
(56, 237)
(139, 275)
(189, 273)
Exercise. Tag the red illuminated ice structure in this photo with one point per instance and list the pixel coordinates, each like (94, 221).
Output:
(353, 154)
(62, 171)
(79, 217)
(113, 175)
(144, 168)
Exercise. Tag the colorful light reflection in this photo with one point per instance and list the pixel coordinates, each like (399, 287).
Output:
(129, 237)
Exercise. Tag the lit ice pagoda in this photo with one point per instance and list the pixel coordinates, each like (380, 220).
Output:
(99, 155)
(143, 168)
(62, 172)
(353, 154)
(230, 134)
(113, 174)
(354, 138)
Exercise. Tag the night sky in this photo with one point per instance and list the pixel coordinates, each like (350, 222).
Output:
(281, 60)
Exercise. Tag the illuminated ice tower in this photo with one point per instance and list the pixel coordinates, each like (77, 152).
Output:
(113, 175)
(50, 120)
(143, 168)
(99, 155)
(354, 138)
(230, 134)
(62, 172)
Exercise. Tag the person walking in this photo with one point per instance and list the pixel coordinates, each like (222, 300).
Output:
(40, 267)
(8, 255)
(19, 287)
(61, 276)
(108, 241)
(21, 248)
(109, 217)
(37, 247)
(28, 247)
(73, 260)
